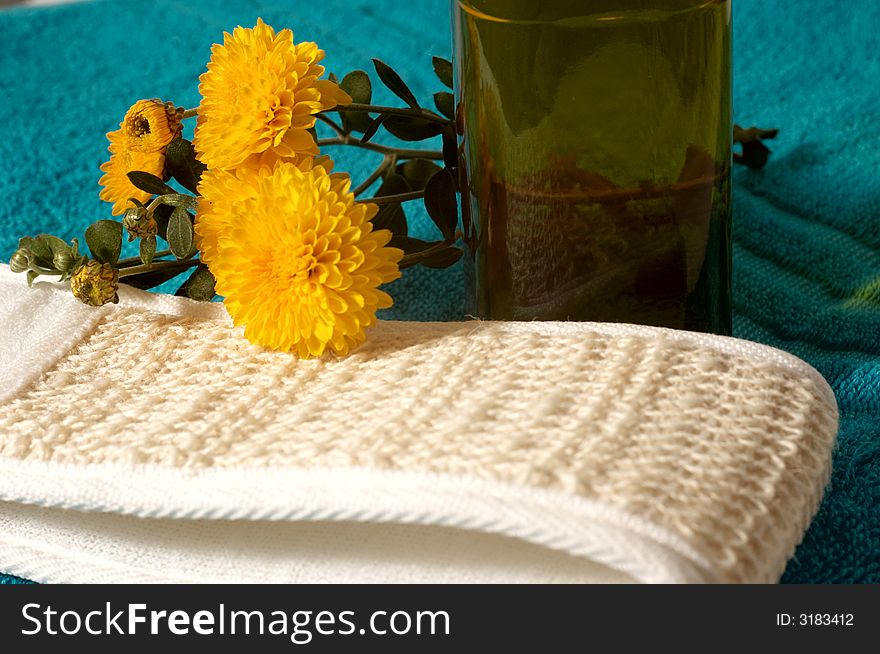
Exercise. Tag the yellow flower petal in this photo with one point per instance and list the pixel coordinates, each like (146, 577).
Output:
(330, 92)
(259, 96)
(117, 187)
(294, 255)
(139, 144)
(148, 126)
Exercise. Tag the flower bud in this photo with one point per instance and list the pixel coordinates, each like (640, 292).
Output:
(150, 125)
(139, 224)
(63, 261)
(20, 261)
(95, 284)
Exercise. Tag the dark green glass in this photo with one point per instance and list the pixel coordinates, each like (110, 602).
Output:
(596, 159)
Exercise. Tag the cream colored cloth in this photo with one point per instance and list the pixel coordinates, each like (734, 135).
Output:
(498, 451)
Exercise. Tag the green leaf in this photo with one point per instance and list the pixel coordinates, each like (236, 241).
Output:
(31, 276)
(39, 247)
(148, 250)
(180, 233)
(443, 258)
(180, 200)
(411, 245)
(148, 280)
(450, 147)
(104, 239)
(357, 84)
(430, 255)
(44, 248)
(441, 201)
(395, 84)
(412, 129)
(391, 217)
(149, 183)
(393, 184)
(374, 126)
(417, 172)
(181, 163)
(443, 70)
(161, 215)
(754, 154)
(56, 245)
(445, 103)
(199, 286)
(356, 121)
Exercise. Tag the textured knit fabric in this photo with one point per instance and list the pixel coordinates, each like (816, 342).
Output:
(723, 443)
(807, 232)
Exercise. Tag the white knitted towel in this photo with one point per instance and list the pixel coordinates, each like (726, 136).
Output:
(150, 442)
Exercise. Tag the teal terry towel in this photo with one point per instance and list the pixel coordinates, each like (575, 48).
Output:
(807, 228)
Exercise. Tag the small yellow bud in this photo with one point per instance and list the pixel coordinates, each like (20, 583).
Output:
(139, 224)
(95, 284)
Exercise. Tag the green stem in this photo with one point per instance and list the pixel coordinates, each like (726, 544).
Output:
(400, 197)
(155, 204)
(154, 267)
(173, 199)
(134, 261)
(336, 127)
(402, 153)
(387, 162)
(44, 271)
(190, 113)
(424, 114)
(410, 260)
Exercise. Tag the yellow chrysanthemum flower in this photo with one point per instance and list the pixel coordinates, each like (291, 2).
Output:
(261, 93)
(123, 160)
(295, 256)
(139, 144)
(148, 126)
(220, 191)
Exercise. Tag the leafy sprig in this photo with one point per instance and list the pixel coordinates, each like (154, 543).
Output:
(164, 224)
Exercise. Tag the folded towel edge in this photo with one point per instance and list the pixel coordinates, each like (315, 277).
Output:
(578, 526)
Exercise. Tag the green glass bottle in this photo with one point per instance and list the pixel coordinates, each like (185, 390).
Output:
(596, 159)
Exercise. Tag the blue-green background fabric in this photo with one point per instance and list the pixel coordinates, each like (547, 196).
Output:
(9, 580)
(807, 228)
